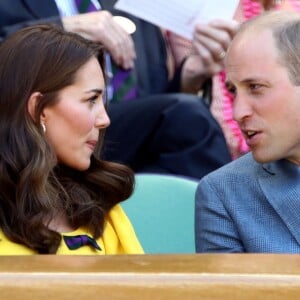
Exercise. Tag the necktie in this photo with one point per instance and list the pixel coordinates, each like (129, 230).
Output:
(123, 82)
(85, 6)
(77, 241)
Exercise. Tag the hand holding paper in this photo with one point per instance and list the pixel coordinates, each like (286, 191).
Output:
(179, 16)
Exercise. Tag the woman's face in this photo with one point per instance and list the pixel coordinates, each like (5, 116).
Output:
(73, 123)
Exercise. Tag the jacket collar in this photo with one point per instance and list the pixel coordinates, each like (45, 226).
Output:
(280, 182)
(47, 9)
(107, 4)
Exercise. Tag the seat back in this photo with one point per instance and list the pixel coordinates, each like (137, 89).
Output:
(161, 210)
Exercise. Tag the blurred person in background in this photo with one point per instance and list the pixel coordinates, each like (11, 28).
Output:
(157, 128)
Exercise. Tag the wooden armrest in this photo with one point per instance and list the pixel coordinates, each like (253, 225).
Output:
(184, 277)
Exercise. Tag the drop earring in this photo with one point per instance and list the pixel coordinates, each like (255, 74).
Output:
(43, 127)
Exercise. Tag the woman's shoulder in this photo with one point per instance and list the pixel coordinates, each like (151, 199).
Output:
(8, 247)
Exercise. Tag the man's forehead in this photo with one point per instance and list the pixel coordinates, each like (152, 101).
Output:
(254, 35)
(253, 44)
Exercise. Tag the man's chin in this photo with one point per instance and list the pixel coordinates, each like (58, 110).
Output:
(263, 158)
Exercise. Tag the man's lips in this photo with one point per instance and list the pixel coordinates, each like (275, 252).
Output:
(252, 137)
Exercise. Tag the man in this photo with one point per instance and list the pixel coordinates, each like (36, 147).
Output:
(156, 132)
(253, 203)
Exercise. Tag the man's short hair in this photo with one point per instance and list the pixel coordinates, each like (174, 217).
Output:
(285, 28)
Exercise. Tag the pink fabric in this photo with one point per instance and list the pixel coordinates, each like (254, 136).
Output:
(222, 107)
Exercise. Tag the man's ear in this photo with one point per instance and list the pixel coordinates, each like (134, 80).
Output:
(32, 104)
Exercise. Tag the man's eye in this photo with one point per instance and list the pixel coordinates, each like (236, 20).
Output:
(254, 86)
(231, 90)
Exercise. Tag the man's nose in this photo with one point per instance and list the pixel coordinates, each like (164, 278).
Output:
(241, 108)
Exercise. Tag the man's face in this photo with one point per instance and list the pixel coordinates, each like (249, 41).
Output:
(266, 103)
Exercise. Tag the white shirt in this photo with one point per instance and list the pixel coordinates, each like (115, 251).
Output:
(69, 8)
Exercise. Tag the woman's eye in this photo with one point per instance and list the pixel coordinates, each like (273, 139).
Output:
(93, 99)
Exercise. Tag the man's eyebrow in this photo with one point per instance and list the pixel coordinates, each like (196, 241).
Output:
(251, 79)
(228, 83)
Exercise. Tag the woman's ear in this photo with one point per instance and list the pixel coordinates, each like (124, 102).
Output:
(32, 104)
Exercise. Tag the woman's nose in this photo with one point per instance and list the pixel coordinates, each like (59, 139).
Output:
(102, 120)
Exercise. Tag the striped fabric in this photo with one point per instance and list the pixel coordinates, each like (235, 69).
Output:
(123, 82)
(85, 6)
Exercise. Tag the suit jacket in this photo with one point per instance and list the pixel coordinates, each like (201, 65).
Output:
(151, 68)
(249, 207)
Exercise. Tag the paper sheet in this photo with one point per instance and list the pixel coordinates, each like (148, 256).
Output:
(179, 16)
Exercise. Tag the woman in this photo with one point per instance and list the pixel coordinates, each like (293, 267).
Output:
(56, 194)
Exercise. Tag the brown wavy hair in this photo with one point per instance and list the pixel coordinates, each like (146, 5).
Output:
(33, 187)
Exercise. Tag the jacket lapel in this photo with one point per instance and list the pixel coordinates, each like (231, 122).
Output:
(107, 4)
(42, 9)
(281, 185)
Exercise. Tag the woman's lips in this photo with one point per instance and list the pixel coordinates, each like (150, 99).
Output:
(92, 144)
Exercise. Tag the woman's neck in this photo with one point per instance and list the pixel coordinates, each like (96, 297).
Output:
(61, 224)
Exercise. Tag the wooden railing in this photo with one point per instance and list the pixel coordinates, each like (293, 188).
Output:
(184, 277)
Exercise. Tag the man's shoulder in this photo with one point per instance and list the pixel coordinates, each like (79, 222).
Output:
(242, 167)
(245, 160)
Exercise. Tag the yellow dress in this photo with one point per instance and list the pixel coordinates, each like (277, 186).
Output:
(118, 238)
